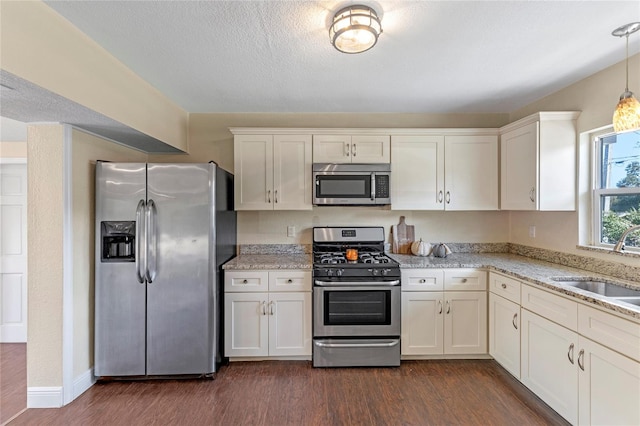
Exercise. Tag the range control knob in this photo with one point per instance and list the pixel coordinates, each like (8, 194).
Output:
(385, 271)
(329, 272)
(339, 272)
(375, 271)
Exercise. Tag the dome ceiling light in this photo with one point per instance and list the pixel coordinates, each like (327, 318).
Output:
(355, 29)
(627, 113)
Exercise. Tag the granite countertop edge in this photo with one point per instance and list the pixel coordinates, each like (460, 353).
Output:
(530, 270)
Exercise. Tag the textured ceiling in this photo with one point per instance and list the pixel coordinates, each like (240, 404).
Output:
(433, 56)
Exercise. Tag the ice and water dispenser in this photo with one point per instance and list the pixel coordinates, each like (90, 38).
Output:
(118, 241)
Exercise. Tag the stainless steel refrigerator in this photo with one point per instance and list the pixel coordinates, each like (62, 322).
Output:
(162, 233)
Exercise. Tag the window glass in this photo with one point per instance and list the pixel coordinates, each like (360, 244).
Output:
(617, 192)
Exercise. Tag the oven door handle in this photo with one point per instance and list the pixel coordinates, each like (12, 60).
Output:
(356, 283)
(388, 344)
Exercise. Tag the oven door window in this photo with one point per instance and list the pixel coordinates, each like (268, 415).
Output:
(357, 307)
(342, 186)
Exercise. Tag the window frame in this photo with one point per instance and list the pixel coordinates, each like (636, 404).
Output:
(597, 192)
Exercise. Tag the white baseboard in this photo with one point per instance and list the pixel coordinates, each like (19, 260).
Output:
(83, 382)
(44, 397)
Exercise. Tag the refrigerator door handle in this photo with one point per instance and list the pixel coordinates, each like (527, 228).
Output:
(151, 252)
(139, 256)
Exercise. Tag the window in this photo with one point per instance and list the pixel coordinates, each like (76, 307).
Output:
(616, 195)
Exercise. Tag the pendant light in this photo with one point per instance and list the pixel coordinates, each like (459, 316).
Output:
(627, 113)
(355, 29)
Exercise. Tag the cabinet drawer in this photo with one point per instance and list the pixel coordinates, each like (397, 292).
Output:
(422, 279)
(505, 287)
(286, 280)
(550, 306)
(465, 279)
(242, 281)
(609, 330)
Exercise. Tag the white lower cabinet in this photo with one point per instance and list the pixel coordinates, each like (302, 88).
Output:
(443, 322)
(548, 367)
(504, 333)
(273, 323)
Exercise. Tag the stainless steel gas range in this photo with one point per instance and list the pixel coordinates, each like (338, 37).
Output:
(356, 299)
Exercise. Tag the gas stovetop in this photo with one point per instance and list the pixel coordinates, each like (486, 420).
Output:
(366, 244)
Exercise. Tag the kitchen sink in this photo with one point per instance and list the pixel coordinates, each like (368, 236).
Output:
(602, 288)
(632, 300)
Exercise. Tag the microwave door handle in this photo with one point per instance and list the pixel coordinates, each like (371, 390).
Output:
(373, 186)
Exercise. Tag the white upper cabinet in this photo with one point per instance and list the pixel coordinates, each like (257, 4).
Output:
(272, 172)
(444, 172)
(538, 162)
(351, 149)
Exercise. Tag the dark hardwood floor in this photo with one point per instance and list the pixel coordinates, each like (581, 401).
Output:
(293, 393)
(13, 379)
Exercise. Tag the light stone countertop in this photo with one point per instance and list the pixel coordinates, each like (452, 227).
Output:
(532, 271)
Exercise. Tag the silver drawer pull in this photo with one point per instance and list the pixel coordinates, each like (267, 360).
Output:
(422, 281)
(503, 285)
(245, 281)
(289, 281)
(464, 280)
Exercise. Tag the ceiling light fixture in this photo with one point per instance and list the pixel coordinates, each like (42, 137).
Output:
(627, 113)
(355, 29)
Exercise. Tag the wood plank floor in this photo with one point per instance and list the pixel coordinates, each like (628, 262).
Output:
(469, 392)
(13, 379)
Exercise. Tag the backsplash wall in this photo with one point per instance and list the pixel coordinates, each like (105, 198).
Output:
(270, 227)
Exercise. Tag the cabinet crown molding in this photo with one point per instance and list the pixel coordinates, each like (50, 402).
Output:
(361, 131)
(540, 116)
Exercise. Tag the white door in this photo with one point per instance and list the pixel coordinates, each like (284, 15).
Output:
(331, 149)
(290, 324)
(422, 323)
(13, 253)
(465, 322)
(417, 163)
(246, 324)
(253, 169)
(471, 172)
(292, 172)
(370, 149)
(504, 333)
(519, 167)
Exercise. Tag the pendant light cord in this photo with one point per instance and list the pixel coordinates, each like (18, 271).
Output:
(627, 67)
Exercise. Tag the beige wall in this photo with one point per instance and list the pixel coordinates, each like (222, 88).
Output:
(13, 149)
(596, 96)
(40, 46)
(86, 149)
(45, 269)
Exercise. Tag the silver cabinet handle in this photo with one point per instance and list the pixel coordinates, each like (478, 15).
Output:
(276, 195)
(264, 308)
(271, 307)
(422, 281)
(139, 255)
(353, 149)
(440, 305)
(245, 281)
(346, 149)
(448, 197)
(464, 280)
(289, 281)
(268, 196)
(515, 318)
(581, 359)
(532, 194)
(152, 241)
(439, 196)
(448, 307)
(570, 353)
(504, 286)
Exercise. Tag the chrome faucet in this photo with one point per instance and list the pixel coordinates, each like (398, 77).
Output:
(620, 244)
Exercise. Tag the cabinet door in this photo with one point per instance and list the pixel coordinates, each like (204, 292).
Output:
(253, 169)
(609, 386)
(519, 168)
(471, 172)
(549, 364)
(422, 323)
(331, 149)
(417, 164)
(370, 149)
(246, 324)
(465, 322)
(504, 333)
(292, 172)
(289, 324)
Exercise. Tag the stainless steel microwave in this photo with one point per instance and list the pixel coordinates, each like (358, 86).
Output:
(351, 184)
